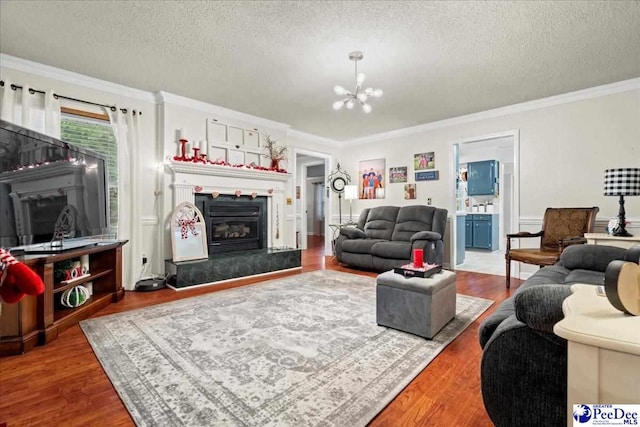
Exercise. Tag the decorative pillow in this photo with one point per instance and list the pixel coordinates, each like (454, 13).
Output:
(352, 232)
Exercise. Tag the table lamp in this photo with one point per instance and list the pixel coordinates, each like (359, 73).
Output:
(621, 182)
(350, 193)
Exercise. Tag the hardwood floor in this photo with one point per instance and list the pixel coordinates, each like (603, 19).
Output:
(64, 384)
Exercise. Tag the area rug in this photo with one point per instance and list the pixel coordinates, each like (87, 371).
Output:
(298, 351)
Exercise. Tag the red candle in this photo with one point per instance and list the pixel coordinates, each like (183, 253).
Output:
(418, 259)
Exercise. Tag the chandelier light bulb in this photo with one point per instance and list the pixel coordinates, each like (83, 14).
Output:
(358, 95)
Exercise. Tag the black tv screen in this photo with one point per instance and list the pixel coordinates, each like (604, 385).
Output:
(49, 189)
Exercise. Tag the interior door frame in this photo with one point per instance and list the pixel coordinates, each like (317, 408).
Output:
(515, 207)
(328, 206)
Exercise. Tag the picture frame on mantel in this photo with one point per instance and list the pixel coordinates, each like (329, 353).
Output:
(188, 233)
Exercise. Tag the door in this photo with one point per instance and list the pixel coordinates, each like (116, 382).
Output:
(468, 233)
(482, 234)
(482, 177)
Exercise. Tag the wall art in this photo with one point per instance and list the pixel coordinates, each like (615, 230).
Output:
(370, 177)
(188, 233)
(409, 191)
(397, 174)
(428, 176)
(424, 161)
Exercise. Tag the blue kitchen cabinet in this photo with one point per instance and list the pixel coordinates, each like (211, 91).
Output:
(482, 178)
(482, 231)
(468, 232)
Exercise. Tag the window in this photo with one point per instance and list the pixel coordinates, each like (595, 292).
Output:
(94, 132)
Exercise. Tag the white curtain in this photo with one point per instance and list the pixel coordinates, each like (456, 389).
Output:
(127, 133)
(31, 110)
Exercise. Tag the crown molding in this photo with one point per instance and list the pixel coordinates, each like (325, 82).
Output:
(309, 137)
(566, 98)
(166, 97)
(47, 71)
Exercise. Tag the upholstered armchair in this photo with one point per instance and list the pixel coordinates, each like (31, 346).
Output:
(561, 227)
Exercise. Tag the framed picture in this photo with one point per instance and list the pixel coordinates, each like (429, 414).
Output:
(424, 161)
(397, 174)
(428, 176)
(370, 177)
(409, 191)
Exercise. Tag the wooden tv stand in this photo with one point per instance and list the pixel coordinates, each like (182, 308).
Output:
(37, 320)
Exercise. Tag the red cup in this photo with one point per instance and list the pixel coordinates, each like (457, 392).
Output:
(418, 257)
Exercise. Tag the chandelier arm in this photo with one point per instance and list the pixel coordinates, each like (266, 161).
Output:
(353, 97)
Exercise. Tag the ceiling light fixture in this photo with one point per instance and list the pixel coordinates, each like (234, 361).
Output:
(359, 95)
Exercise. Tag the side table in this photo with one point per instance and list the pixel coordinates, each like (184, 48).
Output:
(610, 240)
(603, 350)
(335, 232)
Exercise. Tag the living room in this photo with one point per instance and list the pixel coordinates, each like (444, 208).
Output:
(571, 125)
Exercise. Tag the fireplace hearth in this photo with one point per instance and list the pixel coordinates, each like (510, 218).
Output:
(234, 223)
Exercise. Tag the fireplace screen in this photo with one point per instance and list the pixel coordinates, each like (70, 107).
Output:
(234, 224)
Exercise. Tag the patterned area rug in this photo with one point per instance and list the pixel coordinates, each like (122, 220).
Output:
(299, 351)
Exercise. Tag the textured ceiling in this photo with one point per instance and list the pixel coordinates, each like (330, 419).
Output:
(280, 60)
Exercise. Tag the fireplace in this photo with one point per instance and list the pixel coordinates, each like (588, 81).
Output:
(234, 223)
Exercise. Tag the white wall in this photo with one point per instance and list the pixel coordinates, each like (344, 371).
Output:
(564, 150)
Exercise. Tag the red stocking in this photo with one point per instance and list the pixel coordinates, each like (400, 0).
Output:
(19, 279)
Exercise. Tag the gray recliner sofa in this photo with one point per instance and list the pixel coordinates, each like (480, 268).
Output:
(524, 364)
(385, 236)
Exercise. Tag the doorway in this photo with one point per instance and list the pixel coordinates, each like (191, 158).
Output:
(502, 208)
(311, 206)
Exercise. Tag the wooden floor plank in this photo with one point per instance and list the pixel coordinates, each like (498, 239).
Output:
(64, 384)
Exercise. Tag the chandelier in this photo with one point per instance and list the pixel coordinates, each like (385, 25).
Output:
(358, 95)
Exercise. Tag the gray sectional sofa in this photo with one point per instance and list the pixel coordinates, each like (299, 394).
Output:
(385, 237)
(524, 364)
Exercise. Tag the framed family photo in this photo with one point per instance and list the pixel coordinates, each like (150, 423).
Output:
(409, 191)
(397, 174)
(424, 161)
(370, 177)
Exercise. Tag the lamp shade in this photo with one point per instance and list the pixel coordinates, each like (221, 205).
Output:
(622, 182)
(350, 192)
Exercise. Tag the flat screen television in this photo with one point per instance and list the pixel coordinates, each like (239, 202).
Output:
(50, 191)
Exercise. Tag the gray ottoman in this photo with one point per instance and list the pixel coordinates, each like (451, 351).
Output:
(415, 305)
